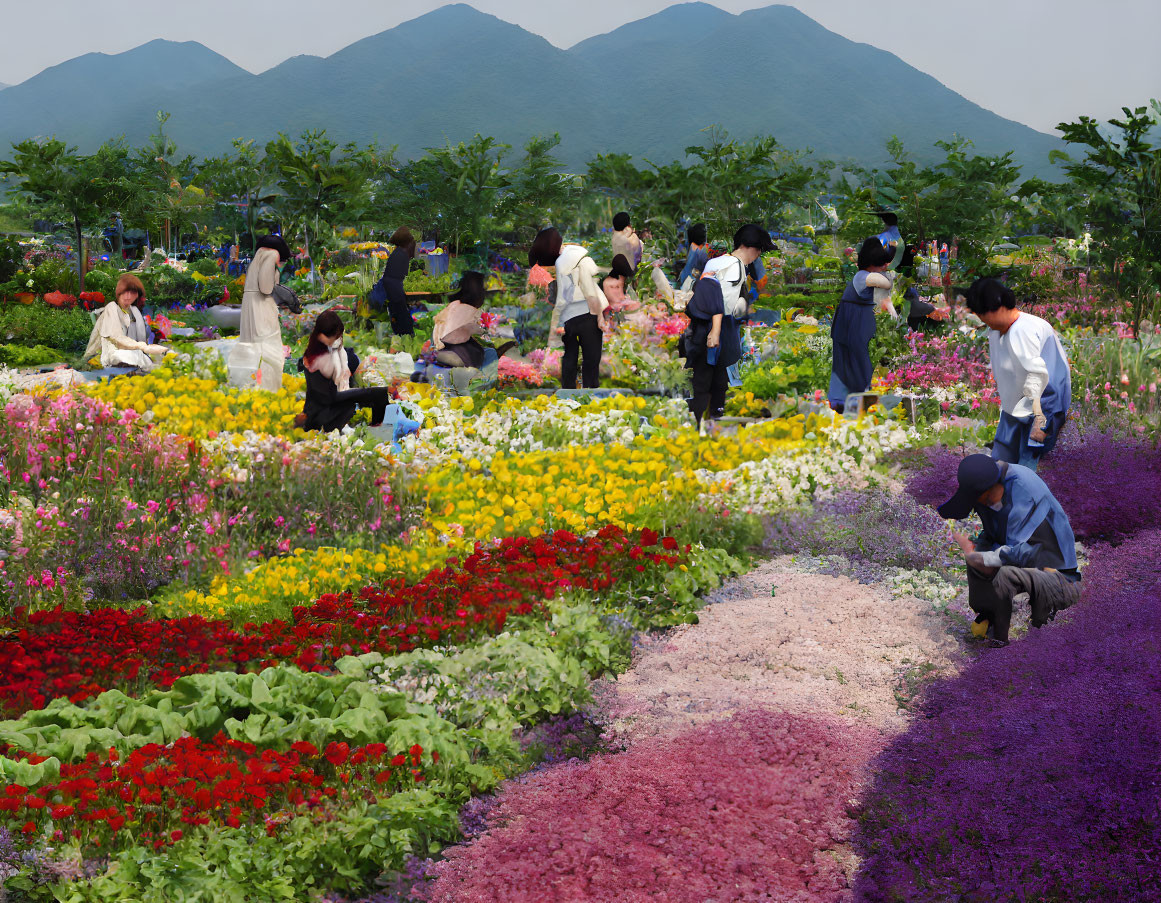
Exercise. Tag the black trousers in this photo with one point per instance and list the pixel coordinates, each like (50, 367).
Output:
(402, 323)
(709, 385)
(338, 415)
(1048, 592)
(582, 335)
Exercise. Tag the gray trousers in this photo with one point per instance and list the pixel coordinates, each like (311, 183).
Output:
(1048, 592)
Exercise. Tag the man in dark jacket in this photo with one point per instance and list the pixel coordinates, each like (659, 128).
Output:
(1026, 545)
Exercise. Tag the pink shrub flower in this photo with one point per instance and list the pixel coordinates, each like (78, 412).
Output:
(753, 808)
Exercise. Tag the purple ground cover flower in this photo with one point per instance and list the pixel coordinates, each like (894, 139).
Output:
(1035, 775)
(870, 530)
(1109, 486)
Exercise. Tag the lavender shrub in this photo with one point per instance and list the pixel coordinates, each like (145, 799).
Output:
(864, 534)
(1034, 776)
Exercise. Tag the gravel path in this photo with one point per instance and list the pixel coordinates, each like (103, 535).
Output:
(819, 645)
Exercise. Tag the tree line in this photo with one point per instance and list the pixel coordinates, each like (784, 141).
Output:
(472, 194)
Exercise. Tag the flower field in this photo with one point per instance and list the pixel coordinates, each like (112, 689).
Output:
(239, 661)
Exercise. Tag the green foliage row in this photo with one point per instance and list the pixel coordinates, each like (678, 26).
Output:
(39, 324)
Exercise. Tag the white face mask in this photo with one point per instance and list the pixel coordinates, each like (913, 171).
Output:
(336, 344)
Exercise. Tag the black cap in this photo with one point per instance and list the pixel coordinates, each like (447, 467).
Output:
(977, 474)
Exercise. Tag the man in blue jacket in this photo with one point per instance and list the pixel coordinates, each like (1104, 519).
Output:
(1026, 545)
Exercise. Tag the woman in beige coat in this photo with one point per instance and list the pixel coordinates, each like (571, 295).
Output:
(257, 357)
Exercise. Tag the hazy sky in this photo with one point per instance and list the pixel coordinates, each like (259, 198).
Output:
(1035, 61)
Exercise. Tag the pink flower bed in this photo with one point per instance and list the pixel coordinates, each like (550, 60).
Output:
(745, 809)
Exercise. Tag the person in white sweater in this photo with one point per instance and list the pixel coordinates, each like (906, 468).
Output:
(1031, 372)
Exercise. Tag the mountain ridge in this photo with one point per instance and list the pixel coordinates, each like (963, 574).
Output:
(648, 88)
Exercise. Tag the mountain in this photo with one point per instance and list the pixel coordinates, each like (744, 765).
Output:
(97, 96)
(776, 71)
(3, 85)
(648, 88)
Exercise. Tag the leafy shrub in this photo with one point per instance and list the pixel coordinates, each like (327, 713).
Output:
(11, 258)
(206, 266)
(39, 324)
(55, 275)
(23, 356)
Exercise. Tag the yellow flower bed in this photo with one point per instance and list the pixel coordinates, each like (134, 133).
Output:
(197, 408)
(580, 489)
(648, 483)
(298, 579)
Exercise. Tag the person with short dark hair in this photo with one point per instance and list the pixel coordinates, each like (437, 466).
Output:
(625, 241)
(713, 341)
(853, 326)
(331, 396)
(389, 291)
(1031, 372)
(698, 255)
(256, 359)
(1026, 544)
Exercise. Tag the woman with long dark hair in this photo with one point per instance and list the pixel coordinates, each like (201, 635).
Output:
(331, 399)
(256, 360)
(389, 291)
(541, 260)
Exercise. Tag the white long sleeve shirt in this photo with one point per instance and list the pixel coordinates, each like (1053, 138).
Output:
(1027, 360)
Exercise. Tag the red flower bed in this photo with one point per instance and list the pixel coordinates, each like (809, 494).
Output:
(754, 808)
(157, 792)
(79, 655)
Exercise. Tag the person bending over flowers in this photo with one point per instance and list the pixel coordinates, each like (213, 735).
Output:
(1026, 545)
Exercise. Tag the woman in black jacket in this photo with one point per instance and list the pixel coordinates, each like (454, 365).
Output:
(389, 289)
(330, 399)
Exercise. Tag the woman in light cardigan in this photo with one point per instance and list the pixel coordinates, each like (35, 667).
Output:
(112, 337)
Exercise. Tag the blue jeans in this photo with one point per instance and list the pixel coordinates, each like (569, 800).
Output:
(1012, 437)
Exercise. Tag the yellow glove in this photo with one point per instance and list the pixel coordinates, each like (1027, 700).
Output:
(980, 628)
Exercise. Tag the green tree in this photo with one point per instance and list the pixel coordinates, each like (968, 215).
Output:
(538, 192)
(456, 189)
(61, 182)
(240, 176)
(159, 189)
(312, 182)
(1120, 177)
(969, 198)
(728, 183)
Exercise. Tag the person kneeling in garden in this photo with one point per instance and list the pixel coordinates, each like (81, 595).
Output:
(458, 324)
(330, 400)
(1026, 545)
(1031, 371)
(119, 333)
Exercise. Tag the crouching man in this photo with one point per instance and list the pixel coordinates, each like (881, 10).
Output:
(1026, 545)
